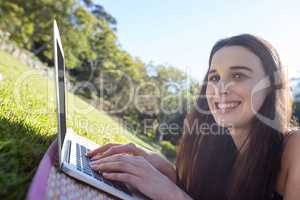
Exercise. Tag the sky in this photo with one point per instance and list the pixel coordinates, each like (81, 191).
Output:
(181, 33)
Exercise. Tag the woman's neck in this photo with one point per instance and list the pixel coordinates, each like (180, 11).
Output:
(239, 136)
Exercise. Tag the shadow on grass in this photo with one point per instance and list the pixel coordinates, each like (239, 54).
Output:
(21, 149)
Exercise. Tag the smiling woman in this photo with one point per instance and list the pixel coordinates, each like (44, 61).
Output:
(233, 74)
(250, 161)
(236, 143)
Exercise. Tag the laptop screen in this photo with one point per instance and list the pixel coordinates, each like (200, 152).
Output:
(61, 94)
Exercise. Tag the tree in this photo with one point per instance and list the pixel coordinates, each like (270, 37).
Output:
(95, 58)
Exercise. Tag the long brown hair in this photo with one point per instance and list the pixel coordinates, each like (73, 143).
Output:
(208, 164)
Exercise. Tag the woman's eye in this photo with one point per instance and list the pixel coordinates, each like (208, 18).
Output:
(237, 75)
(214, 78)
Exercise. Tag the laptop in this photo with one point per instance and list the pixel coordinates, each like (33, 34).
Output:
(71, 146)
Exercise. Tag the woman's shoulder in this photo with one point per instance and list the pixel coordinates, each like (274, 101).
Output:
(292, 146)
(289, 158)
(290, 172)
(292, 139)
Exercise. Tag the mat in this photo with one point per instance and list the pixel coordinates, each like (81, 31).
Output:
(51, 184)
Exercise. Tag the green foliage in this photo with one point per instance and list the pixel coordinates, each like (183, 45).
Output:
(168, 149)
(3, 36)
(30, 25)
(28, 124)
(94, 56)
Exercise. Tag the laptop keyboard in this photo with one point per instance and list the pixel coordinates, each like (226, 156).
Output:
(82, 164)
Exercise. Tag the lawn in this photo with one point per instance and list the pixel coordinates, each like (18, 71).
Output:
(28, 124)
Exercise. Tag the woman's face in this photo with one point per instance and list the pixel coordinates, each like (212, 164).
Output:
(234, 72)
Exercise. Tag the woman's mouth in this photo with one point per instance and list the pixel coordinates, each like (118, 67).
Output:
(226, 107)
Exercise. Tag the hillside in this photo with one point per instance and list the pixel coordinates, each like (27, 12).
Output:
(28, 124)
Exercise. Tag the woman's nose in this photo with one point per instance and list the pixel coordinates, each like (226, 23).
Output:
(223, 87)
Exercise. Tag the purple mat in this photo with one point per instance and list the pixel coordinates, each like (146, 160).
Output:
(38, 185)
(50, 184)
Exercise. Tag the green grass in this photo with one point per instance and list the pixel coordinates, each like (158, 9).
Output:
(28, 124)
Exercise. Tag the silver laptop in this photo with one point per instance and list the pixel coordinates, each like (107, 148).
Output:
(72, 147)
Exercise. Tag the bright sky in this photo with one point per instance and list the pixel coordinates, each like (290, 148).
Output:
(181, 33)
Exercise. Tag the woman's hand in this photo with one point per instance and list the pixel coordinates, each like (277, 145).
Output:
(138, 172)
(161, 164)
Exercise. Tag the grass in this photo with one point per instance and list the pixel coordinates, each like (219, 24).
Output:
(28, 124)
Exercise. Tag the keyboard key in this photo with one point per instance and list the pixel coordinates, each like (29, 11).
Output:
(83, 165)
(87, 172)
(121, 186)
(97, 175)
(78, 159)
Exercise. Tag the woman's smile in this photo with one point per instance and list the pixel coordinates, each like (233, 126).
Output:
(227, 107)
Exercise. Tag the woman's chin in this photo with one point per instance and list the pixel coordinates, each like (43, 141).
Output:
(227, 123)
(227, 119)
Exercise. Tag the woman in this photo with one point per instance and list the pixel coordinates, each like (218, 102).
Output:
(236, 143)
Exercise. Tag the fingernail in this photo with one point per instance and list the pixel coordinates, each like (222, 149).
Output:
(93, 158)
(92, 163)
(96, 157)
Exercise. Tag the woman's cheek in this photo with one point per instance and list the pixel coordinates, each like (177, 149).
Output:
(257, 100)
(210, 94)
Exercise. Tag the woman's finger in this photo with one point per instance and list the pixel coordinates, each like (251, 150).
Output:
(125, 163)
(118, 149)
(113, 158)
(122, 177)
(118, 166)
(100, 149)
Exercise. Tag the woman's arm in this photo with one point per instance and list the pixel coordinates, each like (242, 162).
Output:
(292, 187)
(138, 172)
(181, 195)
(164, 166)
